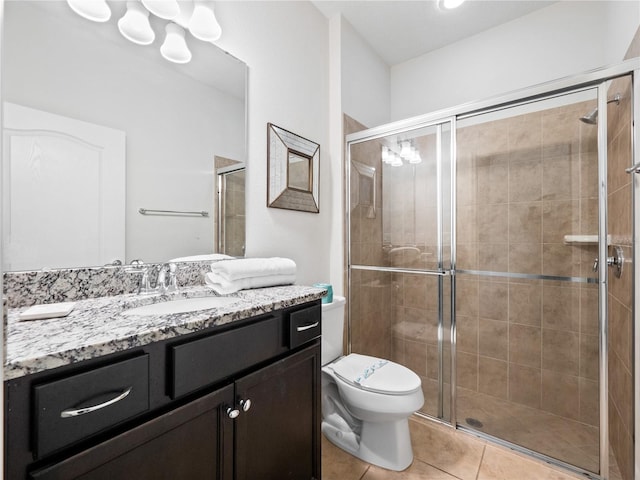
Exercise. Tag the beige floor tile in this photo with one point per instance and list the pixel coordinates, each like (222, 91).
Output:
(417, 471)
(454, 452)
(500, 464)
(339, 465)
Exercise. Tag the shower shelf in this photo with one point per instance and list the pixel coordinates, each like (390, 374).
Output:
(584, 239)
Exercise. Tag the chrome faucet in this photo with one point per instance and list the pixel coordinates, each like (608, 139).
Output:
(146, 273)
(162, 286)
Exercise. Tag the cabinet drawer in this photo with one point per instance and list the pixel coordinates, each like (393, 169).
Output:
(76, 407)
(304, 325)
(208, 360)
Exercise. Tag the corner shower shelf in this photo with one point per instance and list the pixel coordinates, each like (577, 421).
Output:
(584, 239)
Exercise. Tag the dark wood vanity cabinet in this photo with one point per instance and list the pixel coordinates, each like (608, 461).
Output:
(257, 420)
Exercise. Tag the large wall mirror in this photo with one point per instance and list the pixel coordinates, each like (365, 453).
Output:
(97, 128)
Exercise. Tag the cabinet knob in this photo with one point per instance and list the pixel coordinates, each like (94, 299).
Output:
(233, 412)
(245, 404)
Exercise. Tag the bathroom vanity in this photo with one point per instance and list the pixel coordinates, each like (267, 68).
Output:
(227, 393)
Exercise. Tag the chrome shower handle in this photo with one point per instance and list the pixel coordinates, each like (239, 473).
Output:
(616, 261)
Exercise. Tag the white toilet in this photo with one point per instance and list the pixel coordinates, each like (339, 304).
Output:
(366, 401)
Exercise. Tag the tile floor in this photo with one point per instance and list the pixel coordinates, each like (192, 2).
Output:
(442, 453)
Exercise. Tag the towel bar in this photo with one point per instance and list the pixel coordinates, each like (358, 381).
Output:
(147, 211)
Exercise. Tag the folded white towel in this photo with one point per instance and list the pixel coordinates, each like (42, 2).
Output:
(253, 267)
(223, 286)
(202, 258)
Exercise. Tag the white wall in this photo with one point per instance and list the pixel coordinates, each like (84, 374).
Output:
(286, 46)
(366, 80)
(563, 39)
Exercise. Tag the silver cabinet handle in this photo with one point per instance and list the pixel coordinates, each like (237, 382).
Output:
(245, 404)
(85, 410)
(233, 412)
(307, 327)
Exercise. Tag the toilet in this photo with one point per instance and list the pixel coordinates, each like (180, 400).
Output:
(366, 401)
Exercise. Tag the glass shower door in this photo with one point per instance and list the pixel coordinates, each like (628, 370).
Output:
(231, 212)
(527, 298)
(400, 255)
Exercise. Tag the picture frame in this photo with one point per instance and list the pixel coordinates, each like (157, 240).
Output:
(293, 171)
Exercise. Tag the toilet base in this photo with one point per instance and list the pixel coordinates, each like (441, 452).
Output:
(385, 444)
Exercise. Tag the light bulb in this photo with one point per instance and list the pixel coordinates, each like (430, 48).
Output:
(415, 156)
(451, 4)
(167, 9)
(94, 10)
(385, 154)
(405, 150)
(203, 24)
(175, 47)
(397, 161)
(134, 25)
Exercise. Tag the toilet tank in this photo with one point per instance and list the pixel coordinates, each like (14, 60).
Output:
(332, 329)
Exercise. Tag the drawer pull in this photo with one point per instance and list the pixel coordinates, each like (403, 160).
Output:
(82, 411)
(307, 327)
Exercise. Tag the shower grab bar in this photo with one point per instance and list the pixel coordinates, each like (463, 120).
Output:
(634, 169)
(148, 211)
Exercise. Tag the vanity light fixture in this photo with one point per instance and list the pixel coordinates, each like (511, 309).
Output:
(203, 24)
(134, 25)
(194, 15)
(167, 9)
(96, 10)
(175, 47)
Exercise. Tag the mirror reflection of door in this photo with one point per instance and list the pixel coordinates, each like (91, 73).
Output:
(299, 167)
(230, 212)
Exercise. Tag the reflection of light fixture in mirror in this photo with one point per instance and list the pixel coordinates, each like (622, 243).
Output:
(414, 156)
(386, 158)
(405, 149)
(94, 10)
(134, 25)
(396, 160)
(450, 4)
(175, 47)
(167, 9)
(203, 24)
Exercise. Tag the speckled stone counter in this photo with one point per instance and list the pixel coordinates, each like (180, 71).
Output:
(96, 327)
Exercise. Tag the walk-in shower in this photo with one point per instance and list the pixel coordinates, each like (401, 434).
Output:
(474, 237)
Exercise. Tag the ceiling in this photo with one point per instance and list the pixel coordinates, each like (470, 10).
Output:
(399, 30)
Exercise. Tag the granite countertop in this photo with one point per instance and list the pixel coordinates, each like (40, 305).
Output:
(96, 327)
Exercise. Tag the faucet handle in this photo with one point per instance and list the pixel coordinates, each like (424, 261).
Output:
(173, 281)
(161, 280)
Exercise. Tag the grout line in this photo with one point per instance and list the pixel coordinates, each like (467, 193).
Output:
(364, 473)
(484, 449)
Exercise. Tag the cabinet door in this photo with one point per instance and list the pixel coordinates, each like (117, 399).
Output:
(194, 441)
(278, 437)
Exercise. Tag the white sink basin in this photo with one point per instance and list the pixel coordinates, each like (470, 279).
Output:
(181, 306)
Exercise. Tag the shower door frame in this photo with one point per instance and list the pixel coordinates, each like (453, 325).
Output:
(441, 273)
(595, 79)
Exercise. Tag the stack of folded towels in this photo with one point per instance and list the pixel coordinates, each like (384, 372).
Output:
(229, 276)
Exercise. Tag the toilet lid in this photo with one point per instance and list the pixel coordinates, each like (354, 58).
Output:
(376, 374)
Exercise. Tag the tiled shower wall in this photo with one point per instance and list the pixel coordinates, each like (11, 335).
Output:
(523, 184)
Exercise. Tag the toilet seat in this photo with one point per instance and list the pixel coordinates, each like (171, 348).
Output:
(376, 375)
